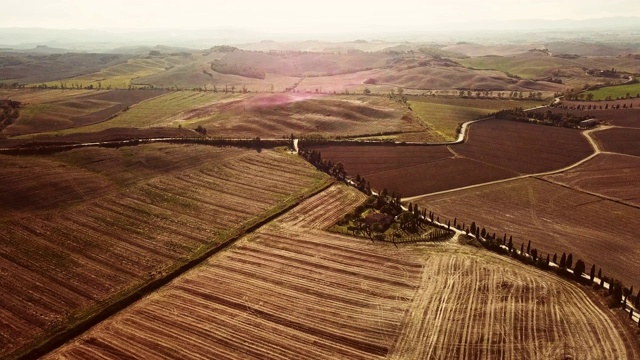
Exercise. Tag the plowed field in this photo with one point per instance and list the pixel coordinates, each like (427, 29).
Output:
(554, 218)
(100, 222)
(614, 176)
(620, 140)
(494, 150)
(291, 291)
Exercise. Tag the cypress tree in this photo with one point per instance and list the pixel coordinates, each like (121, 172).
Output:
(522, 249)
(592, 274)
(529, 247)
(555, 258)
(569, 260)
(599, 273)
(563, 261)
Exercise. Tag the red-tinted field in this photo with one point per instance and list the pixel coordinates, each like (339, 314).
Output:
(554, 218)
(614, 176)
(494, 150)
(522, 147)
(620, 140)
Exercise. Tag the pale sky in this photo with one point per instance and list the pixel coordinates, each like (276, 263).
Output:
(278, 15)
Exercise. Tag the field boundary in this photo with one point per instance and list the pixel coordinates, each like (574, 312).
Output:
(112, 307)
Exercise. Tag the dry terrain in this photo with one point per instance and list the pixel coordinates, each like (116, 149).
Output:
(494, 150)
(292, 290)
(275, 115)
(554, 218)
(96, 224)
(524, 148)
(612, 175)
(620, 140)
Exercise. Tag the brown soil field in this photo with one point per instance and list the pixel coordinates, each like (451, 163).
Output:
(494, 150)
(411, 170)
(292, 291)
(522, 147)
(612, 175)
(113, 134)
(65, 112)
(103, 222)
(554, 218)
(275, 115)
(620, 140)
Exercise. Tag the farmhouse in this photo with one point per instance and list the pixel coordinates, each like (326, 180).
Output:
(588, 123)
(383, 219)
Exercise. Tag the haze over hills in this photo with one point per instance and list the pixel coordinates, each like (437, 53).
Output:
(622, 30)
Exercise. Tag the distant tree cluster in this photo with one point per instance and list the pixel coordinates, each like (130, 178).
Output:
(232, 69)
(9, 112)
(548, 117)
(201, 130)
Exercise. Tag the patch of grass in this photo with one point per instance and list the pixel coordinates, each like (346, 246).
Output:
(118, 76)
(615, 92)
(154, 112)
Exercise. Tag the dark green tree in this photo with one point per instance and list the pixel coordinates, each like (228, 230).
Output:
(569, 260)
(563, 261)
(578, 269)
(592, 273)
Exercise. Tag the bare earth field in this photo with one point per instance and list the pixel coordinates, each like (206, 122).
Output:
(620, 140)
(554, 218)
(524, 148)
(99, 223)
(294, 291)
(494, 150)
(612, 175)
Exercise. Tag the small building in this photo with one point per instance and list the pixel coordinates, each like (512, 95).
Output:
(588, 123)
(383, 219)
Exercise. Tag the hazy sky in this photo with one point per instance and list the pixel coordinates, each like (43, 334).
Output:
(275, 15)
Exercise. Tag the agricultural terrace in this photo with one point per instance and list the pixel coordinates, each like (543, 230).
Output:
(446, 114)
(494, 150)
(277, 115)
(96, 224)
(294, 291)
(620, 140)
(611, 175)
(71, 110)
(615, 92)
(164, 110)
(554, 218)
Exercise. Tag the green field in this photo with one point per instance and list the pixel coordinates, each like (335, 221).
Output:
(615, 92)
(527, 67)
(121, 76)
(444, 114)
(154, 112)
